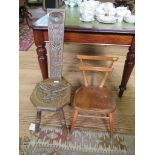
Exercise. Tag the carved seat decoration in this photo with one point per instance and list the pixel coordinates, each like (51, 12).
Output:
(54, 93)
(50, 96)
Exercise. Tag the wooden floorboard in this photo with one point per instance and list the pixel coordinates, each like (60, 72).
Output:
(30, 75)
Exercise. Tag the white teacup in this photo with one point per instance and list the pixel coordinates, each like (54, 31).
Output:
(129, 19)
(79, 2)
(108, 5)
(119, 19)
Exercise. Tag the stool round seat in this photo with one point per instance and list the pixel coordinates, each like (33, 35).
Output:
(48, 95)
(94, 98)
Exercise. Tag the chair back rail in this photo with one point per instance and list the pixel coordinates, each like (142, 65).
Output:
(85, 68)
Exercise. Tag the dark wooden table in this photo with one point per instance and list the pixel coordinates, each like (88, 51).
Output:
(122, 34)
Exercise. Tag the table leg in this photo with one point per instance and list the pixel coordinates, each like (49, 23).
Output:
(128, 67)
(41, 52)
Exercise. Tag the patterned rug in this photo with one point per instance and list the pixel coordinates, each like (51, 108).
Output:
(25, 37)
(51, 141)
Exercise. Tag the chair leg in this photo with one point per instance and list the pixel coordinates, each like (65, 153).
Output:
(63, 122)
(111, 126)
(27, 20)
(75, 115)
(37, 122)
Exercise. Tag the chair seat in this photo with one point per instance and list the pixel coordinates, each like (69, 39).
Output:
(49, 96)
(94, 98)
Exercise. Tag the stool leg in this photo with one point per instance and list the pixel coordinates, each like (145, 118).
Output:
(37, 122)
(75, 115)
(63, 122)
(111, 126)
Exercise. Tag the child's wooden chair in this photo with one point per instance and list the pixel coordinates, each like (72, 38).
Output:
(94, 99)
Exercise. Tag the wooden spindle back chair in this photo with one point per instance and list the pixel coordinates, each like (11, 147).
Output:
(94, 98)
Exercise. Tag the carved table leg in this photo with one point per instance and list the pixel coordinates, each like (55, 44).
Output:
(41, 51)
(128, 67)
(38, 120)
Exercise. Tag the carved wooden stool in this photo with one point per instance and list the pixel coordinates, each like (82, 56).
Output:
(50, 96)
(54, 93)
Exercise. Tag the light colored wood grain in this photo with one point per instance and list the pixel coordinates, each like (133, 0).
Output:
(100, 69)
(86, 57)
